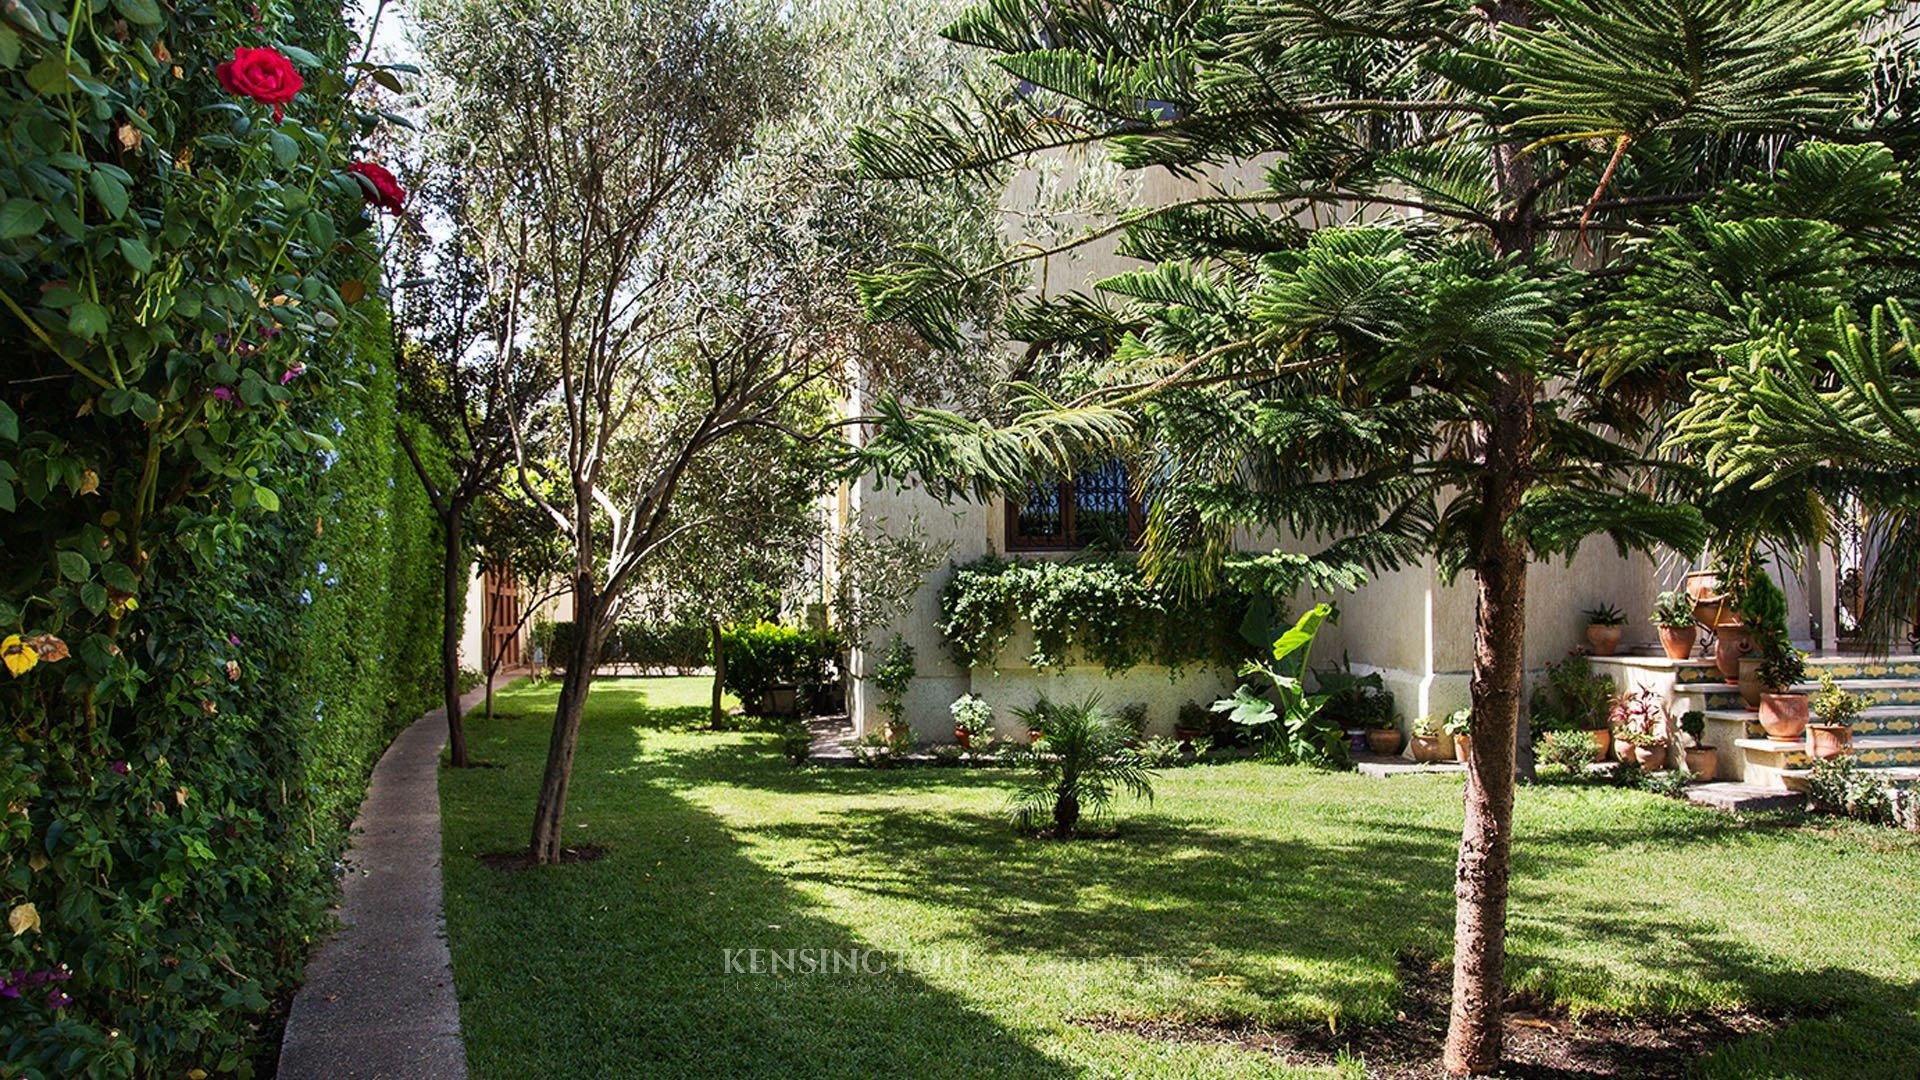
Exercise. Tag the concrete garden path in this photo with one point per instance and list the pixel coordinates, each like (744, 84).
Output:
(378, 1003)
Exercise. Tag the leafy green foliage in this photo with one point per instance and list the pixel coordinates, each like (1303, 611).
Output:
(1272, 704)
(767, 654)
(892, 677)
(1084, 760)
(1573, 697)
(678, 646)
(1104, 610)
(201, 507)
(1570, 751)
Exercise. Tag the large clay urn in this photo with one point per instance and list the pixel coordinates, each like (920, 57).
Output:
(1732, 641)
(1750, 685)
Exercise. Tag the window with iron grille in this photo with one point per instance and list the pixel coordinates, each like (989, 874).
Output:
(1096, 507)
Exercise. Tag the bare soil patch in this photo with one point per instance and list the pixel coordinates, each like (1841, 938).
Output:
(521, 860)
(1542, 1043)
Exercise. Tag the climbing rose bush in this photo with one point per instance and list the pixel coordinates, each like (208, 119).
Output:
(186, 294)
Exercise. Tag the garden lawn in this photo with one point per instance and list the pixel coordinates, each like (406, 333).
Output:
(1253, 894)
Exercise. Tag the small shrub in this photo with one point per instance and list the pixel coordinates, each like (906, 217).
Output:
(1673, 610)
(1605, 615)
(1671, 784)
(1568, 750)
(796, 742)
(1134, 715)
(973, 717)
(765, 655)
(1834, 704)
(948, 754)
(1572, 698)
(1160, 752)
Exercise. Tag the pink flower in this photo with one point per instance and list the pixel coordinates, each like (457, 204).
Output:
(226, 394)
(120, 768)
(294, 371)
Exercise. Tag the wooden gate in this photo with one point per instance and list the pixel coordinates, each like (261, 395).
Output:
(500, 613)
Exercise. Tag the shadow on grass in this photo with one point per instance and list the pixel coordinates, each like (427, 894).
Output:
(627, 964)
(620, 967)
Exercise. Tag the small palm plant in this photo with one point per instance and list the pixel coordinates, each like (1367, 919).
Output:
(1079, 766)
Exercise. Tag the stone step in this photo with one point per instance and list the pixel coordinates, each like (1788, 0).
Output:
(1902, 693)
(1869, 752)
(1898, 776)
(1879, 720)
(1844, 668)
(1736, 797)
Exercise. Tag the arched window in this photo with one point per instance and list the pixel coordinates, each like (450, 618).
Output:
(1096, 507)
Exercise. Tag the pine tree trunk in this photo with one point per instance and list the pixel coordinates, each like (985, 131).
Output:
(1499, 665)
(719, 674)
(453, 573)
(549, 813)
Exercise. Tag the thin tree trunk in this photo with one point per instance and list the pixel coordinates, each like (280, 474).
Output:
(453, 579)
(719, 673)
(549, 813)
(1474, 1032)
(1476, 1022)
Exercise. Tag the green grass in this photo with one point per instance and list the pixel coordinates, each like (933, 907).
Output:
(1246, 891)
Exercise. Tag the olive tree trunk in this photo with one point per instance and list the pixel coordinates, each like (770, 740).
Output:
(453, 575)
(583, 654)
(719, 675)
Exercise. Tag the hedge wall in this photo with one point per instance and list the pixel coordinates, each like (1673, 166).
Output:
(214, 567)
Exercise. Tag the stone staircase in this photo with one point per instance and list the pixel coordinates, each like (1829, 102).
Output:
(1886, 735)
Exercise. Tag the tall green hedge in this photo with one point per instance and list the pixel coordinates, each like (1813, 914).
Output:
(216, 600)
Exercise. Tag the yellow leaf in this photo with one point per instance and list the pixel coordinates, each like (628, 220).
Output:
(23, 918)
(18, 655)
(37, 861)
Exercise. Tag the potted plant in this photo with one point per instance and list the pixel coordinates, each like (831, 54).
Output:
(1702, 760)
(1640, 725)
(972, 721)
(1783, 711)
(1763, 611)
(1383, 735)
(1673, 618)
(1575, 698)
(1431, 740)
(1723, 610)
(1831, 734)
(1605, 626)
(1191, 722)
(1460, 725)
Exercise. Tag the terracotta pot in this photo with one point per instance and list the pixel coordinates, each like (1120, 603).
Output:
(1678, 641)
(1187, 734)
(1711, 604)
(1384, 741)
(1750, 685)
(963, 737)
(1829, 740)
(1731, 642)
(1428, 749)
(1783, 715)
(1602, 743)
(1651, 758)
(1463, 748)
(1703, 761)
(1604, 640)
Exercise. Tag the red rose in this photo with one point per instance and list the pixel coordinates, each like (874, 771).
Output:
(261, 74)
(383, 190)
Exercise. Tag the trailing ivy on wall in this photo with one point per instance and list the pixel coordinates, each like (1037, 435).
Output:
(1105, 610)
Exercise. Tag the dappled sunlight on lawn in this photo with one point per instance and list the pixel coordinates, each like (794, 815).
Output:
(1244, 893)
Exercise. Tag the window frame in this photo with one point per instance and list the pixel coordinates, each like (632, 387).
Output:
(1070, 538)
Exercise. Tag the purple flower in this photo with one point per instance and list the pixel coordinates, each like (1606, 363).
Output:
(294, 371)
(120, 768)
(58, 1000)
(226, 394)
(233, 640)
